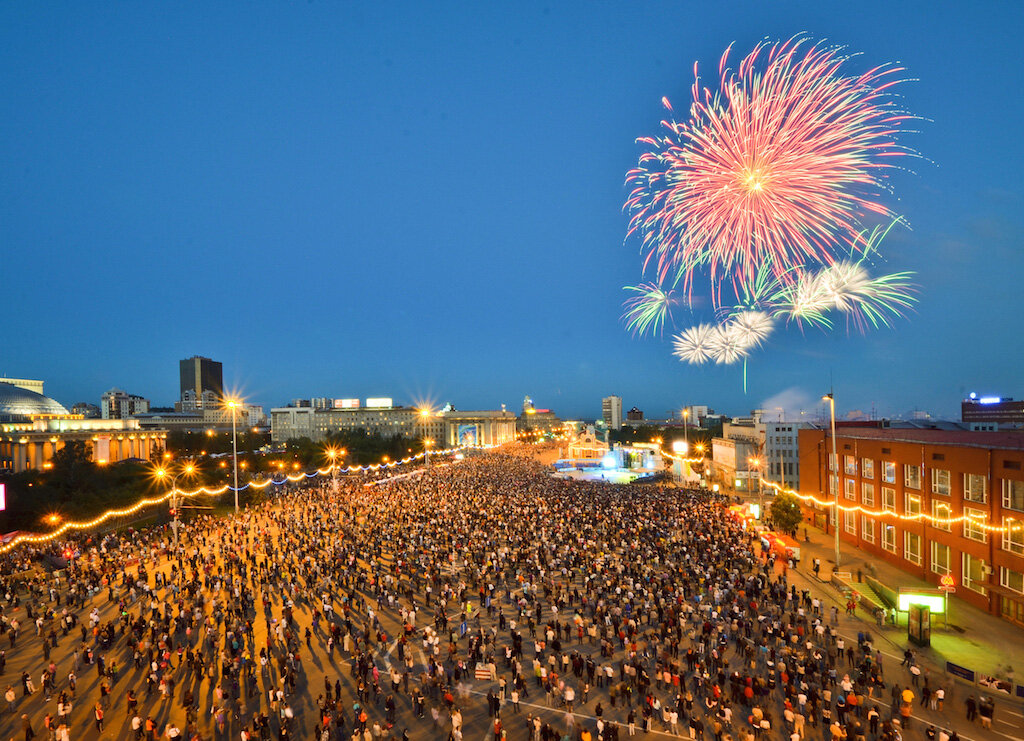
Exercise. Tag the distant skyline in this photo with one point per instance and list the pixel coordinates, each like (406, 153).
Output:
(424, 201)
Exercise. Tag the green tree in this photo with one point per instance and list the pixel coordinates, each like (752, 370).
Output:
(786, 513)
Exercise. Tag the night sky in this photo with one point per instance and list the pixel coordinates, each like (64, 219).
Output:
(424, 200)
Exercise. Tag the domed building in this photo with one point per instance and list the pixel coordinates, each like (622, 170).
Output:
(33, 427)
(19, 404)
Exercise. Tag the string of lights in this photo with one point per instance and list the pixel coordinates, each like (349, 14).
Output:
(201, 491)
(976, 520)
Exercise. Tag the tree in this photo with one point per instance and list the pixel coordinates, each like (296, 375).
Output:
(786, 512)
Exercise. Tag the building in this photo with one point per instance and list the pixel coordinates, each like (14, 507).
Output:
(24, 383)
(634, 415)
(199, 375)
(992, 413)
(289, 423)
(447, 428)
(611, 412)
(782, 452)
(86, 410)
(536, 420)
(916, 484)
(118, 404)
(478, 428)
(34, 427)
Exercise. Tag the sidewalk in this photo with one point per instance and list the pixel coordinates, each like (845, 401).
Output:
(974, 639)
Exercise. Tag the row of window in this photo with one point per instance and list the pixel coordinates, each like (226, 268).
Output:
(972, 524)
(973, 574)
(975, 485)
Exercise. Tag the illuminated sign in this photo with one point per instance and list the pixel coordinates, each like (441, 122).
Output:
(3, 497)
(934, 602)
(380, 403)
(680, 446)
(346, 403)
(469, 435)
(990, 399)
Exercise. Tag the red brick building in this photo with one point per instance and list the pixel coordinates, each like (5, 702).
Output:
(935, 474)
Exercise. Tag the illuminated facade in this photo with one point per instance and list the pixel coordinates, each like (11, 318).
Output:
(32, 444)
(921, 477)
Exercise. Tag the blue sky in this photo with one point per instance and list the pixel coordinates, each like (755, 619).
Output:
(423, 200)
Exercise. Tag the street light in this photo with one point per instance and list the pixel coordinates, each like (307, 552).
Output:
(233, 404)
(333, 454)
(756, 463)
(188, 469)
(424, 416)
(835, 503)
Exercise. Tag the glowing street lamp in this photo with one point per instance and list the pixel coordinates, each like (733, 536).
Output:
(425, 414)
(161, 473)
(234, 404)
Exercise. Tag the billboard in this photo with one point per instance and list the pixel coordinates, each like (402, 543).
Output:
(382, 402)
(346, 403)
(3, 497)
(469, 435)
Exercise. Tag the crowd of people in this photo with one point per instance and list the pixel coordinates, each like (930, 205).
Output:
(484, 594)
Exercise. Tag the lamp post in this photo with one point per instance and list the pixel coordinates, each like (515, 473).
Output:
(424, 416)
(233, 404)
(188, 470)
(835, 457)
(756, 463)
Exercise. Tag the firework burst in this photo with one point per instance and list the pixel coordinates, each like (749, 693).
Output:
(693, 345)
(773, 168)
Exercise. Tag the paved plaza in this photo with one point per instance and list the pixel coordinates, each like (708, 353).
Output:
(480, 600)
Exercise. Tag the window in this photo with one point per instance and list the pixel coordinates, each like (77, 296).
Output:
(974, 576)
(912, 547)
(940, 558)
(889, 472)
(833, 484)
(867, 468)
(850, 522)
(912, 505)
(1013, 538)
(974, 488)
(888, 499)
(1011, 609)
(867, 529)
(1011, 579)
(940, 482)
(867, 494)
(912, 477)
(1013, 495)
(888, 537)
(850, 487)
(941, 511)
(850, 465)
(832, 516)
(972, 530)
(832, 462)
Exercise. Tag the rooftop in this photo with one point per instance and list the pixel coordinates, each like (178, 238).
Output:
(1001, 440)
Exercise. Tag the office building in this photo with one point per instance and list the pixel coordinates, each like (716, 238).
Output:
(611, 412)
(200, 375)
(992, 413)
(782, 452)
(915, 484)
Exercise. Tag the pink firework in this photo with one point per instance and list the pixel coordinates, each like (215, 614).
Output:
(776, 167)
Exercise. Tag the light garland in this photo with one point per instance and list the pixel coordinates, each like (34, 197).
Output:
(149, 502)
(977, 520)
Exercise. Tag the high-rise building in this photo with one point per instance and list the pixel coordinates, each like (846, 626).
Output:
(118, 404)
(199, 375)
(611, 412)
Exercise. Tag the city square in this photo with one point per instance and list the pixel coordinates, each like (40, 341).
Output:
(517, 371)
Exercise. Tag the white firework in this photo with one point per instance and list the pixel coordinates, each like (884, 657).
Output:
(724, 346)
(845, 284)
(751, 328)
(691, 345)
